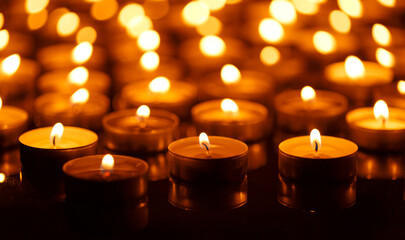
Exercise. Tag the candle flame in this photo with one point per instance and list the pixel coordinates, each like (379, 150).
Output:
(385, 58)
(82, 52)
(4, 38)
(56, 133)
(138, 24)
(10, 64)
(1, 103)
(148, 40)
(149, 61)
(142, 113)
(130, 11)
(339, 21)
(78, 76)
(159, 85)
(229, 106)
(212, 46)
(81, 96)
(269, 55)
(381, 35)
(353, 8)
(308, 94)
(205, 143)
(35, 6)
(212, 26)
(107, 163)
(1, 20)
(324, 42)
(215, 5)
(315, 138)
(67, 24)
(271, 31)
(195, 13)
(102, 10)
(2, 177)
(86, 34)
(381, 112)
(401, 87)
(230, 74)
(387, 3)
(283, 11)
(354, 67)
(307, 7)
(37, 20)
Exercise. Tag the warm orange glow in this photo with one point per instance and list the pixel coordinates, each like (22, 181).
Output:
(149, 61)
(353, 8)
(159, 85)
(339, 21)
(212, 46)
(67, 24)
(104, 9)
(381, 112)
(35, 6)
(56, 133)
(130, 11)
(315, 138)
(210, 27)
(1, 20)
(195, 13)
(205, 143)
(10, 64)
(354, 67)
(86, 34)
(107, 163)
(82, 52)
(2, 177)
(78, 76)
(230, 74)
(401, 87)
(307, 7)
(387, 3)
(4, 38)
(138, 24)
(81, 96)
(269, 55)
(229, 106)
(283, 11)
(324, 42)
(37, 20)
(381, 35)
(1, 103)
(308, 94)
(385, 58)
(271, 31)
(143, 112)
(215, 5)
(149, 40)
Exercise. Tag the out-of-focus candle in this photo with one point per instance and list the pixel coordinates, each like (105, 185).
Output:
(393, 94)
(13, 122)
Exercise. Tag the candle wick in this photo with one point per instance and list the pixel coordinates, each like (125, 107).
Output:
(383, 122)
(54, 141)
(316, 149)
(208, 152)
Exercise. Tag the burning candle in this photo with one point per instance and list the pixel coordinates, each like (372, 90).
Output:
(377, 128)
(140, 130)
(356, 79)
(80, 109)
(160, 93)
(107, 191)
(13, 122)
(300, 111)
(393, 94)
(246, 121)
(203, 159)
(315, 158)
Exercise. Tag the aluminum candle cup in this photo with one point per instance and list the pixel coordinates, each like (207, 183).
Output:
(226, 163)
(13, 122)
(335, 161)
(112, 199)
(371, 134)
(124, 132)
(325, 112)
(249, 123)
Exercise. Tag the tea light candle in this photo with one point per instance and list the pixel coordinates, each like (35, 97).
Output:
(160, 93)
(301, 111)
(81, 109)
(356, 79)
(65, 81)
(244, 120)
(13, 122)
(393, 94)
(140, 130)
(377, 128)
(232, 83)
(199, 159)
(306, 158)
(109, 190)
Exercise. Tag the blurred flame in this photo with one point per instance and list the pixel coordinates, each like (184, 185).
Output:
(78, 76)
(104, 9)
(1, 103)
(143, 112)
(130, 11)
(354, 67)
(56, 133)
(210, 27)
(385, 58)
(1, 20)
(67, 24)
(339, 21)
(10, 64)
(324, 42)
(148, 40)
(159, 85)
(4, 38)
(212, 46)
(137, 25)
(387, 3)
(381, 35)
(283, 11)
(353, 8)
(86, 34)
(205, 143)
(215, 5)
(81, 96)
(2, 177)
(269, 55)
(401, 86)
(229, 106)
(230, 74)
(37, 20)
(149, 61)
(306, 7)
(381, 112)
(195, 13)
(35, 6)
(271, 31)
(82, 52)
(308, 94)
(107, 163)
(315, 138)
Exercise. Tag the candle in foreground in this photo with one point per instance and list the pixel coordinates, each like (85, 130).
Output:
(107, 191)
(313, 158)
(13, 122)
(377, 128)
(213, 159)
